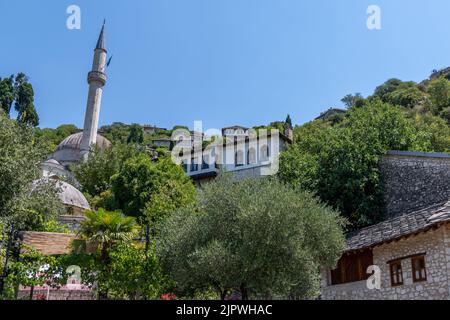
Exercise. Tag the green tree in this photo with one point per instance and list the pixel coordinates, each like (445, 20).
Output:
(407, 96)
(140, 179)
(174, 194)
(386, 88)
(435, 129)
(106, 230)
(136, 134)
(116, 132)
(289, 120)
(24, 101)
(6, 94)
(396, 92)
(356, 100)
(439, 92)
(134, 274)
(341, 163)
(95, 173)
(19, 154)
(260, 237)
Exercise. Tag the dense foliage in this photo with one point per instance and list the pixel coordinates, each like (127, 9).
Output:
(339, 160)
(260, 237)
(146, 188)
(51, 138)
(95, 173)
(23, 201)
(17, 91)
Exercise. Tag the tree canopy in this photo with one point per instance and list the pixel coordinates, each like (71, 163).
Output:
(18, 91)
(258, 236)
(19, 156)
(341, 163)
(141, 178)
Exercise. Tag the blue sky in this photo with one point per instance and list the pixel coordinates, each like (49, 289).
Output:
(224, 62)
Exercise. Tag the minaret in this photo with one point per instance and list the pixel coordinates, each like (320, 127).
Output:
(96, 79)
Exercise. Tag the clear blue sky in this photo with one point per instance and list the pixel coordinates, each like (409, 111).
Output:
(225, 62)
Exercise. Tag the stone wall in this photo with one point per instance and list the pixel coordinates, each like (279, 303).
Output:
(414, 180)
(436, 245)
(55, 295)
(73, 222)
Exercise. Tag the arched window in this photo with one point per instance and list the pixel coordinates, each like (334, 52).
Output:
(264, 153)
(239, 158)
(251, 156)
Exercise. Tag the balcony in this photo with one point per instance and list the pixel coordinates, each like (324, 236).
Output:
(204, 170)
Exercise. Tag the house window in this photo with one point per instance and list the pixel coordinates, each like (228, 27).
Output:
(352, 268)
(264, 153)
(239, 158)
(251, 156)
(418, 269)
(396, 273)
(194, 165)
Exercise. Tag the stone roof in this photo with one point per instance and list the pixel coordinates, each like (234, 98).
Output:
(71, 196)
(47, 243)
(399, 227)
(67, 194)
(330, 112)
(74, 142)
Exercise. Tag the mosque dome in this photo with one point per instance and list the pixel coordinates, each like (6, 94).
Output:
(74, 142)
(69, 150)
(70, 196)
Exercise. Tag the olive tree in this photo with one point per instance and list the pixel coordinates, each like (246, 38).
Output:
(257, 236)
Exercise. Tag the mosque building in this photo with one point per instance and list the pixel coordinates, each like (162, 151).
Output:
(71, 151)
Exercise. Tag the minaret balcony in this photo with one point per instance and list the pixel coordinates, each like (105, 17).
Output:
(97, 76)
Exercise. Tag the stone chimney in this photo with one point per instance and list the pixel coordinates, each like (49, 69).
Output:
(289, 131)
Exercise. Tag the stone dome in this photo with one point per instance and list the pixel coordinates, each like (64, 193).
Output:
(74, 142)
(67, 194)
(69, 150)
(71, 196)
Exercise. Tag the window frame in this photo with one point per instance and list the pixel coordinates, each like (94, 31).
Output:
(239, 160)
(358, 262)
(423, 277)
(395, 282)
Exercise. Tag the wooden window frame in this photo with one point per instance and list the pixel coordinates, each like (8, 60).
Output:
(395, 282)
(423, 277)
(358, 261)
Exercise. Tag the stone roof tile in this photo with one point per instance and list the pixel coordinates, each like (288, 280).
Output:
(398, 227)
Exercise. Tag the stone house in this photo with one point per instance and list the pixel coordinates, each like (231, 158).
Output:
(411, 248)
(242, 152)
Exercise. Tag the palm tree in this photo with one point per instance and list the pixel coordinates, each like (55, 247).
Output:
(105, 229)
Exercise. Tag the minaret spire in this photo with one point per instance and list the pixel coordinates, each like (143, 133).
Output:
(101, 43)
(97, 80)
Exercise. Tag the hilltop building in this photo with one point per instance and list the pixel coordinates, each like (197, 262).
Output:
(243, 152)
